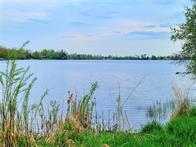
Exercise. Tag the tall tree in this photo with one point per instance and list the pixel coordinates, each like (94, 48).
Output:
(186, 33)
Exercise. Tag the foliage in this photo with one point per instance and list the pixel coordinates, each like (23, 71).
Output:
(14, 53)
(186, 32)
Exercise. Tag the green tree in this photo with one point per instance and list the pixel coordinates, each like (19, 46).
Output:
(186, 33)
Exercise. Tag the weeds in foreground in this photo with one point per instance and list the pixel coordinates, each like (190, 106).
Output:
(182, 102)
(80, 112)
(180, 105)
(14, 89)
(19, 118)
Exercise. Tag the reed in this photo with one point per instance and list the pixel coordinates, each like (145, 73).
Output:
(182, 103)
(80, 112)
(16, 84)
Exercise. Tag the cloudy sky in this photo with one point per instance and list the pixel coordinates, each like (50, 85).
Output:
(117, 27)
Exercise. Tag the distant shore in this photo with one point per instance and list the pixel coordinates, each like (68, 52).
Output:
(50, 54)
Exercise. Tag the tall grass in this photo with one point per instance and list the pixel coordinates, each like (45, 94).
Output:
(16, 84)
(182, 103)
(179, 105)
(18, 117)
(80, 112)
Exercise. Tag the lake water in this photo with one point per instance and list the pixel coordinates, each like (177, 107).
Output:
(113, 77)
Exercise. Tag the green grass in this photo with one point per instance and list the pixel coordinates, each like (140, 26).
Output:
(180, 131)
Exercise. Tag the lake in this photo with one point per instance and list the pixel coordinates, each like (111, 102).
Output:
(155, 80)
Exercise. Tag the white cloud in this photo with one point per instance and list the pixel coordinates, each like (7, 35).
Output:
(20, 17)
(18, 11)
(140, 27)
(121, 30)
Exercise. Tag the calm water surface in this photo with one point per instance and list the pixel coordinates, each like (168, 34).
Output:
(113, 77)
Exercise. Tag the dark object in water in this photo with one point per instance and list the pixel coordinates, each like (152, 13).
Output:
(182, 73)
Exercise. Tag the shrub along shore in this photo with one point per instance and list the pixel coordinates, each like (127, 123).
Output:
(25, 124)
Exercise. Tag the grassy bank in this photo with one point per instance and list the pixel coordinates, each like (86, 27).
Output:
(76, 124)
(180, 131)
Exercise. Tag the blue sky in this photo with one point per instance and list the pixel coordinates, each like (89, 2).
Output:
(116, 27)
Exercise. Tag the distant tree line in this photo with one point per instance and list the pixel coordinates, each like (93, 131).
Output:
(14, 53)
